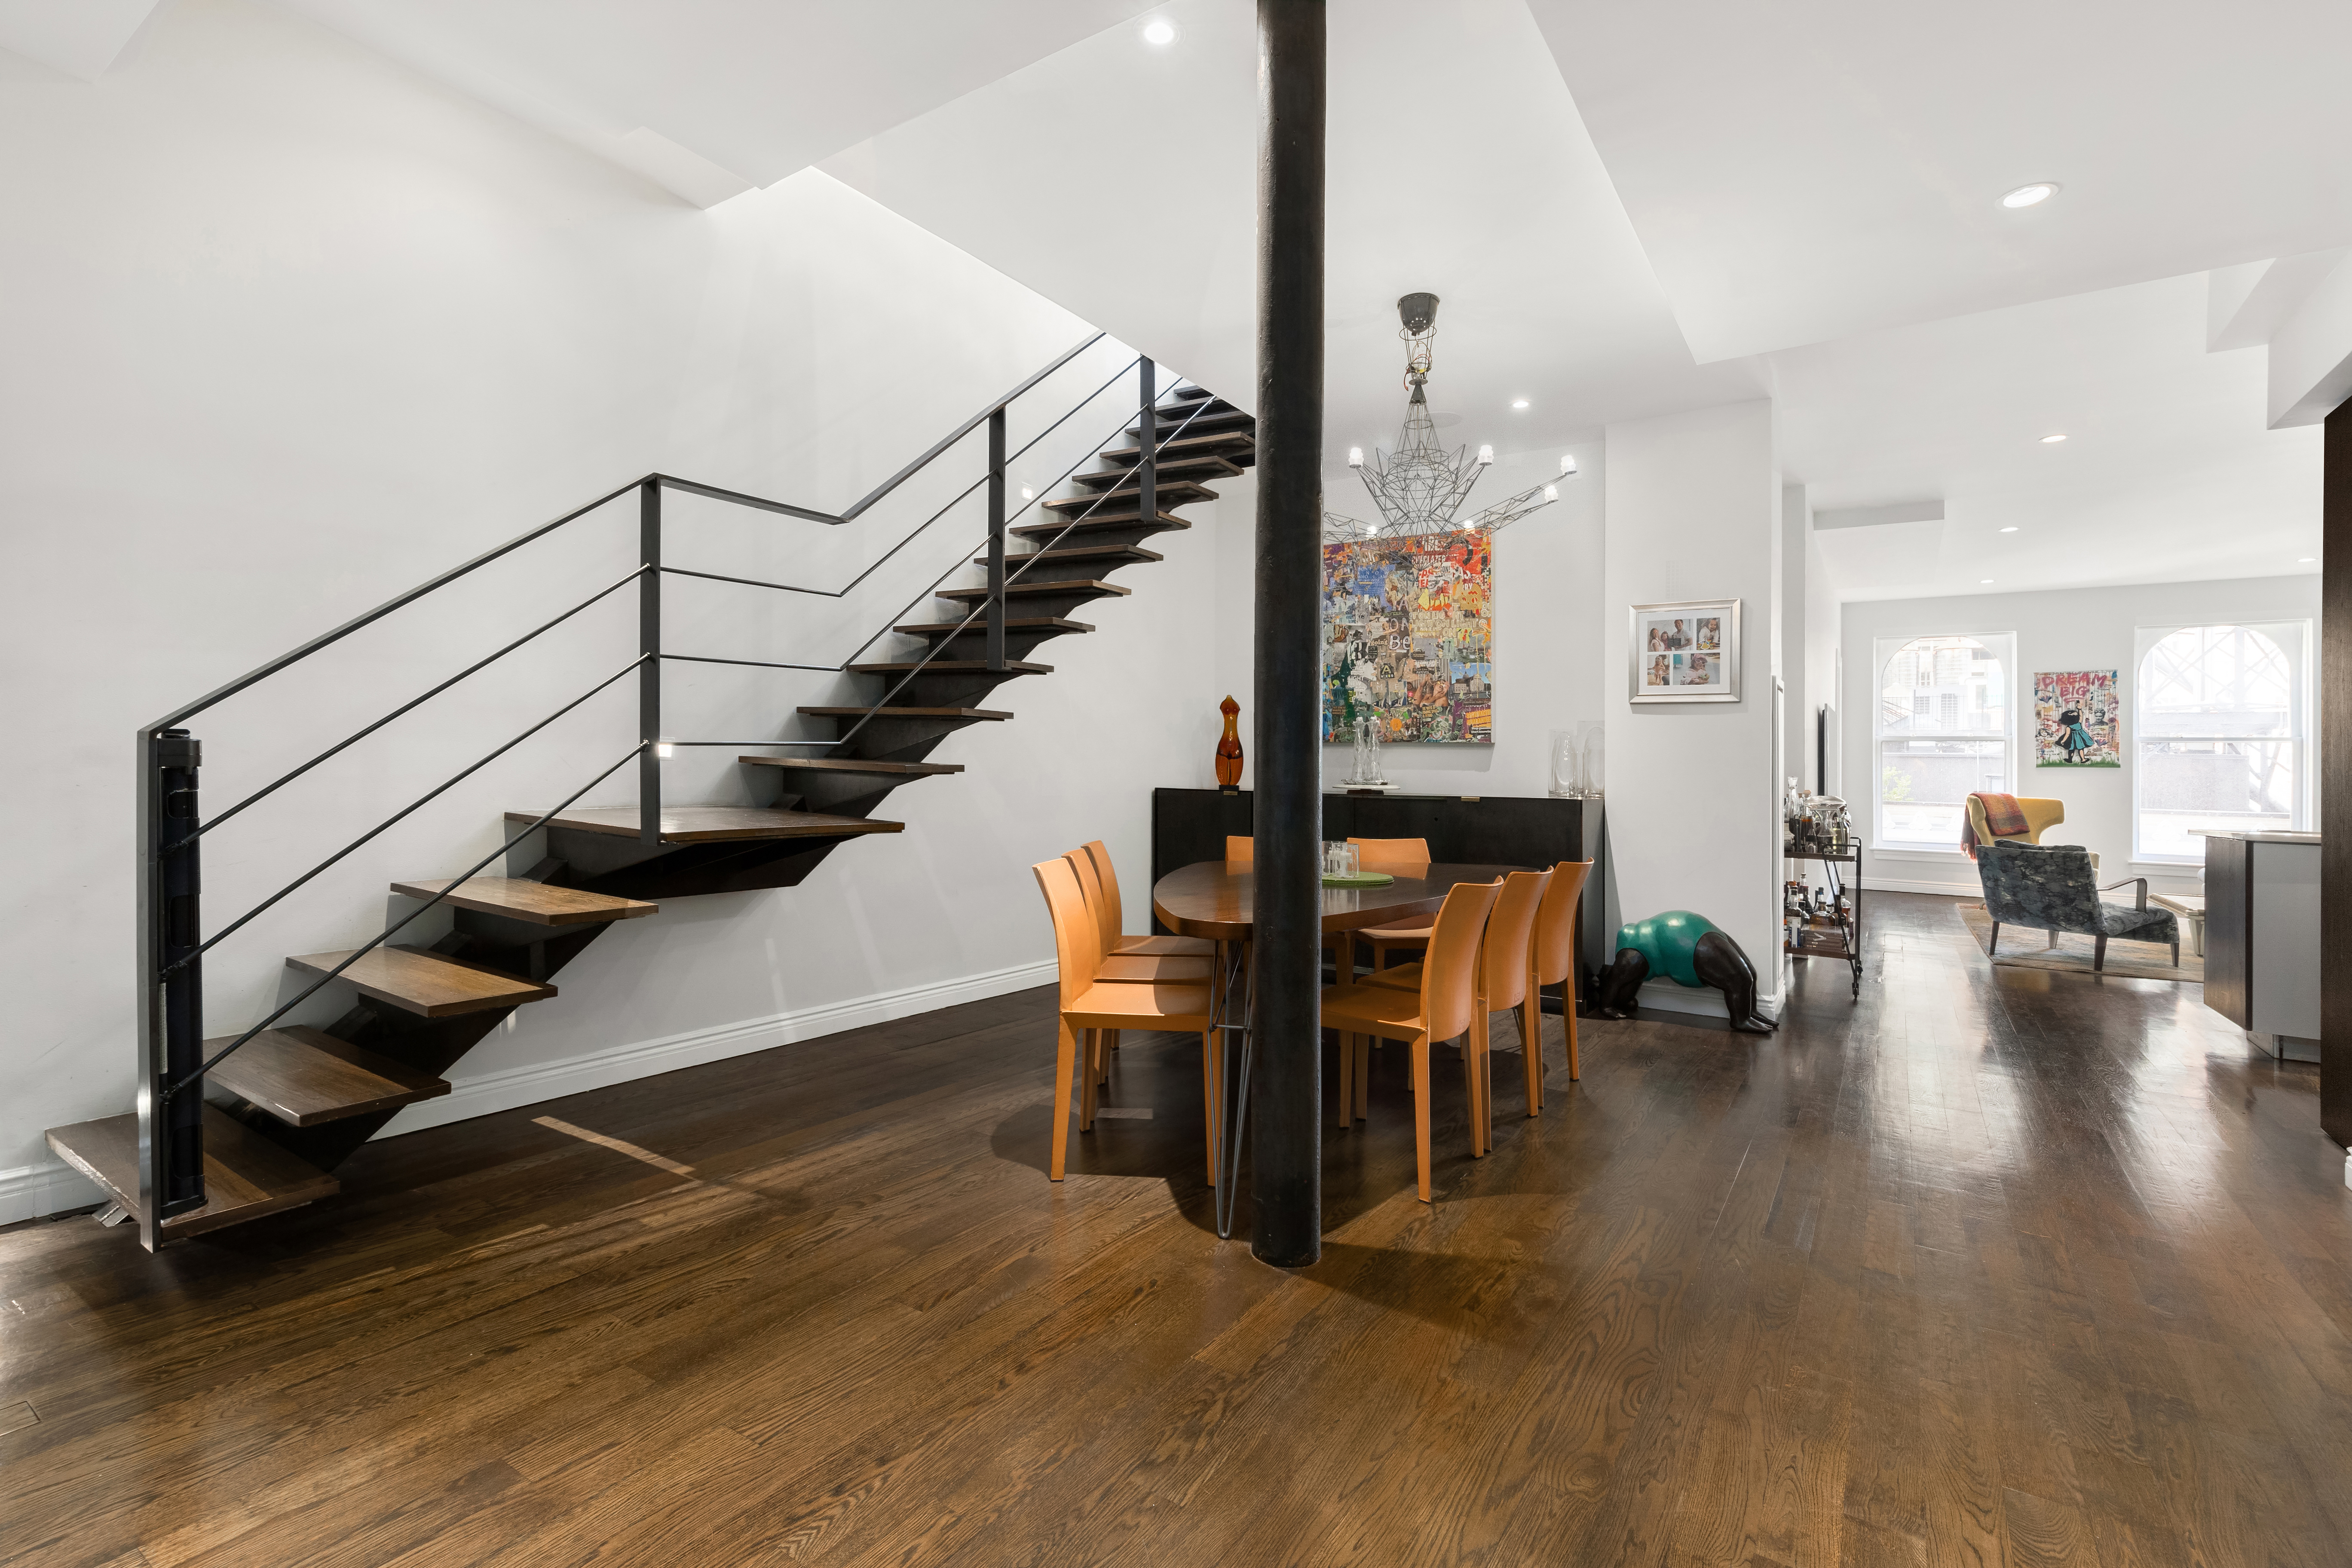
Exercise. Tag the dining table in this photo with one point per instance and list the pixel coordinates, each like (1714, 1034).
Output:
(1216, 900)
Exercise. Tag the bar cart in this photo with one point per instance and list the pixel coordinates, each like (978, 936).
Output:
(1833, 928)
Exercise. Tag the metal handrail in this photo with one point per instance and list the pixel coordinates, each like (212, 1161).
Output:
(287, 660)
(420, 801)
(1026, 562)
(1036, 502)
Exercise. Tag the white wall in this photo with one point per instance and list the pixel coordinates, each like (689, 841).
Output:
(2073, 629)
(289, 330)
(1693, 507)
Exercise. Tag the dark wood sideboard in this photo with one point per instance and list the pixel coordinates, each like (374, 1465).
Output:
(1189, 825)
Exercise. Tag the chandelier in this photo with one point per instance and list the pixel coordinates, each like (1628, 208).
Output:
(1420, 487)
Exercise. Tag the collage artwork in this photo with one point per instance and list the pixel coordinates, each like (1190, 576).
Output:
(1409, 638)
(2075, 720)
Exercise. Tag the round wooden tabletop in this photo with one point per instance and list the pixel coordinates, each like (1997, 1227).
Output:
(1213, 899)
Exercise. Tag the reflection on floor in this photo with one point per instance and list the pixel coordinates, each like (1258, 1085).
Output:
(1996, 1265)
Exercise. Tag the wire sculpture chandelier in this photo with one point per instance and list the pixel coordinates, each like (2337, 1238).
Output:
(1420, 487)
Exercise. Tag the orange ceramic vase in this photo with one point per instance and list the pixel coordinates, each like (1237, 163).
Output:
(1229, 750)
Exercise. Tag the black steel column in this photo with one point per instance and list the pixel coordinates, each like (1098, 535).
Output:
(1147, 469)
(1286, 1108)
(649, 672)
(2335, 782)
(996, 540)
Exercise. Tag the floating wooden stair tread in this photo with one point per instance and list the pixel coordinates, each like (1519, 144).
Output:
(1014, 590)
(947, 667)
(1173, 492)
(1123, 519)
(1215, 420)
(426, 983)
(1121, 552)
(245, 1175)
(534, 901)
(1172, 447)
(303, 1077)
(976, 714)
(850, 766)
(712, 824)
(1204, 463)
(980, 628)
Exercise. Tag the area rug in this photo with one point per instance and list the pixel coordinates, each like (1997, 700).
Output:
(2021, 948)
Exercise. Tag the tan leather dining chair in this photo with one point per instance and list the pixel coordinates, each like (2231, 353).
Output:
(1439, 1009)
(1553, 957)
(1505, 964)
(1087, 1005)
(1128, 967)
(1400, 857)
(1114, 920)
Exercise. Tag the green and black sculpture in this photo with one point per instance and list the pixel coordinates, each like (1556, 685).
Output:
(1689, 949)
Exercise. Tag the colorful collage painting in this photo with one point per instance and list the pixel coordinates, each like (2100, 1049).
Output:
(2074, 718)
(1409, 638)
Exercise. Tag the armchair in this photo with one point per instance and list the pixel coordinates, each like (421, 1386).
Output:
(2053, 888)
(2041, 814)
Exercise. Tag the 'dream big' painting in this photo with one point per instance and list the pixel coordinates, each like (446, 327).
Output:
(2074, 718)
(1409, 638)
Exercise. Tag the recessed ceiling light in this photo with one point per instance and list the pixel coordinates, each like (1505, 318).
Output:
(1985, 580)
(1028, 494)
(2305, 560)
(1518, 403)
(2030, 195)
(2010, 529)
(1160, 31)
(2053, 440)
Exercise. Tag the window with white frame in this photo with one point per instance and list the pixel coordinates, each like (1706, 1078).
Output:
(2219, 725)
(1943, 733)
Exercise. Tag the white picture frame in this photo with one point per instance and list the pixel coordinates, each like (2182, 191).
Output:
(1686, 651)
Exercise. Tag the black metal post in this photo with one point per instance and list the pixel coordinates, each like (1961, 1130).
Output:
(996, 539)
(2336, 778)
(649, 673)
(1147, 470)
(170, 983)
(1286, 1112)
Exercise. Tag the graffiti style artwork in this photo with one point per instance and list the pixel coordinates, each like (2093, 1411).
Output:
(1409, 638)
(2074, 718)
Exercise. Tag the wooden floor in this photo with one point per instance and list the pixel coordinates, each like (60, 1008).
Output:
(1998, 1266)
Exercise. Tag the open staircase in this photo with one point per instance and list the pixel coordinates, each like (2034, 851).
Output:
(290, 1104)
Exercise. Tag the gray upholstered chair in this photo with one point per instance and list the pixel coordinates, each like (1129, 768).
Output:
(2053, 887)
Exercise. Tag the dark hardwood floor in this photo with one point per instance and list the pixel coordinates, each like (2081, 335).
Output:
(1996, 1265)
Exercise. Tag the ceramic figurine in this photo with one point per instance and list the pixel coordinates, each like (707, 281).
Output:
(1689, 949)
(1229, 750)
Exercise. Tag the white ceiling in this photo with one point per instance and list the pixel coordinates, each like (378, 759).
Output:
(1812, 169)
(2167, 473)
(713, 97)
(1456, 164)
(1797, 201)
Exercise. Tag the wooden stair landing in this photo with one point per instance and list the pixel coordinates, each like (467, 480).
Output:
(534, 902)
(245, 1175)
(427, 984)
(713, 823)
(304, 1076)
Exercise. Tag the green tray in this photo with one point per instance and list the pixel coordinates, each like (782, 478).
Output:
(1361, 879)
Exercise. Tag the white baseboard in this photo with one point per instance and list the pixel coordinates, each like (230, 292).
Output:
(31, 1190)
(506, 1090)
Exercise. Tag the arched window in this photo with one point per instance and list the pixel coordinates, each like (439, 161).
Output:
(1943, 732)
(2220, 732)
